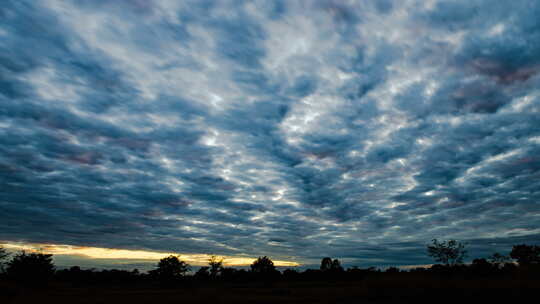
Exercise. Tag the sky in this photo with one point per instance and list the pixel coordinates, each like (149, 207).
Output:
(359, 130)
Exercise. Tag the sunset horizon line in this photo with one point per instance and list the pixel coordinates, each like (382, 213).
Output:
(103, 253)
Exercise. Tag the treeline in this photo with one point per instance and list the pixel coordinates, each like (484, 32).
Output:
(37, 269)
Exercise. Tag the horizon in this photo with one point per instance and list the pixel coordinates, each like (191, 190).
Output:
(67, 256)
(358, 130)
(92, 260)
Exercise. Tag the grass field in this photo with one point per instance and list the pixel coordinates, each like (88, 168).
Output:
(387, 289)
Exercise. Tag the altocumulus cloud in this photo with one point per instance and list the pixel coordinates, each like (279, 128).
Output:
(295, 129)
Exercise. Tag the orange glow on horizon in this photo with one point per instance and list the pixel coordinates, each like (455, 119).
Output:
(120, 254)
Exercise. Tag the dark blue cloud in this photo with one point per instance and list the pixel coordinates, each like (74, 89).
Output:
(291, 129)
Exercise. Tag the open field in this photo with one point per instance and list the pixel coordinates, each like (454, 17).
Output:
(388, 289)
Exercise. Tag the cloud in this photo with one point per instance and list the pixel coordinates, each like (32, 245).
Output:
(291, 129)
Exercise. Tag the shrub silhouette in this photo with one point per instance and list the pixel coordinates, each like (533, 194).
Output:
(450, 252)
(290, 274)
(32, 269)
(229, 274)
(498, 260)
(526, 254)
(482, 267)
(392, 270)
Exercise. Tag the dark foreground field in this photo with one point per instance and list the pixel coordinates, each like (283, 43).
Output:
(388, 289)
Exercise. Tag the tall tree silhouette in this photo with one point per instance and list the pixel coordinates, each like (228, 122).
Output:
(263, 265)
(449, 252)
(33, 268)
(216, 266)
(170, 269)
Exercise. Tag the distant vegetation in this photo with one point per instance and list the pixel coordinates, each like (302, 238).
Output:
(36, 270)
(29, 268)
(450, 253)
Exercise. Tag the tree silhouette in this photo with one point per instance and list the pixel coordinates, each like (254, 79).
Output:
(3, 256)
(216, 266)
(526, 254)
(326, 264)
(32, 269)
(449, 252)
(336, 265)
(170, 269)
(263, 265)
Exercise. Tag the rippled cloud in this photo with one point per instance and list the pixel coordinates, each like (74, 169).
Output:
(294, 129)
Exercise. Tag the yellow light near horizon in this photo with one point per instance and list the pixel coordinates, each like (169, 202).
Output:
(232, 261)
(120, 254)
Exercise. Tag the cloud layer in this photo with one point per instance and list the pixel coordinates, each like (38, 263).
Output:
(295, 129)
